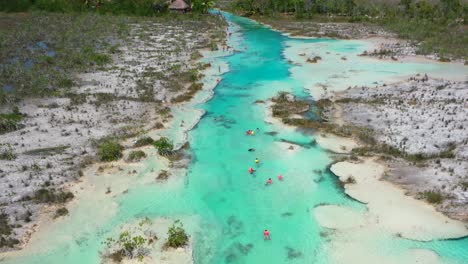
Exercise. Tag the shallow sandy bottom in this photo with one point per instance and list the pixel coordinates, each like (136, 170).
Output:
(390, 209)
(336, 144)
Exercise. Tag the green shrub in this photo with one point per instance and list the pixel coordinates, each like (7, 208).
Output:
(52, 196)
(127, 245)
(109, 150)
(10, 122)
(5, 231)
(136, 155)
(6, 152)
(164, 146)
(61, 212)
(434, 197)
(5, 228)
(144, 141)
(176, 235)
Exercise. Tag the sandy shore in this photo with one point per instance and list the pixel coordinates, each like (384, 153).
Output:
(389, 207)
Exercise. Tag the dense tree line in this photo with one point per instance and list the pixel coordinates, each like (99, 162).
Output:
(307, 8)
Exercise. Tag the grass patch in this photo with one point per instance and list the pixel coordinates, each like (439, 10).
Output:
(434, 197)
(144, 141)
(187, 96)
(11, 121)
(136, 155)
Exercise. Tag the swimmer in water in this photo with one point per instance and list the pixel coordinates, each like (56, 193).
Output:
(256, 161)
(269, 181)
(266, 234)
(251, 149)
(251, 171)
(280, 177)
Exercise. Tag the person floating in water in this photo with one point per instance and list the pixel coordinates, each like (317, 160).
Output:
(248, 132)
(280, 177)
(266, 234)
(257, 161)
(251, 149)
(269, 181)
(251, 171)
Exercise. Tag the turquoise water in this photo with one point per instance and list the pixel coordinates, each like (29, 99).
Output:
(231, 207)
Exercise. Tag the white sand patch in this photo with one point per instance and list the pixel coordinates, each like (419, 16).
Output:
(338, 217)
(362, 247)
(336, 144)
(391, 209)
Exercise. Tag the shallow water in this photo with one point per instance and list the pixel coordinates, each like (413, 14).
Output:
(223, 207)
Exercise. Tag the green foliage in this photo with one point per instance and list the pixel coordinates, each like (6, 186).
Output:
(6, 152)
(52, 196)
(5, 231)
(127, 245)
(61, 212)
(164, 146)
(109, 150)
(10, 122)
(45, 50)
(434, 197)
(119, 7)
(144, 141)
(5, 228)
(136, 155)
(176, 235)
(202, 6)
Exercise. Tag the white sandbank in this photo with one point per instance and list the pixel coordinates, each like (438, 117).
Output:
(338, 217)
(391, 209)
(336, 144)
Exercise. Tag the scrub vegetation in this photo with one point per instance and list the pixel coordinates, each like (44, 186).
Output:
(176, 235)
(438, 25)
(109, 150)
(77, 77)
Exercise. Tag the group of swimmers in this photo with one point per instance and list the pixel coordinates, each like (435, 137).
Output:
(266, 233)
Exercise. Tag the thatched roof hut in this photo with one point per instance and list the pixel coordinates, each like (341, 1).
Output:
(179, 5)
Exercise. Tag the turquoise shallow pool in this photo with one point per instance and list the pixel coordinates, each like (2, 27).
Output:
(233, 208)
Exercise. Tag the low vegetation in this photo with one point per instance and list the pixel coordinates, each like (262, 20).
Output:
(285, 105)
(144, 141)
(5, 232)
(127, 245)
(109, 150)
(61, 212)
(434, 197)
(164, 146)
(176, 236)
(136, 155)
(6, 152)
(11, 121)
(52, 196)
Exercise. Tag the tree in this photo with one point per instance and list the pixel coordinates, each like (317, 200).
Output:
(202, 6)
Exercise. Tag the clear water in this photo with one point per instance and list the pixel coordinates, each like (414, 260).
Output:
(231, 207)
